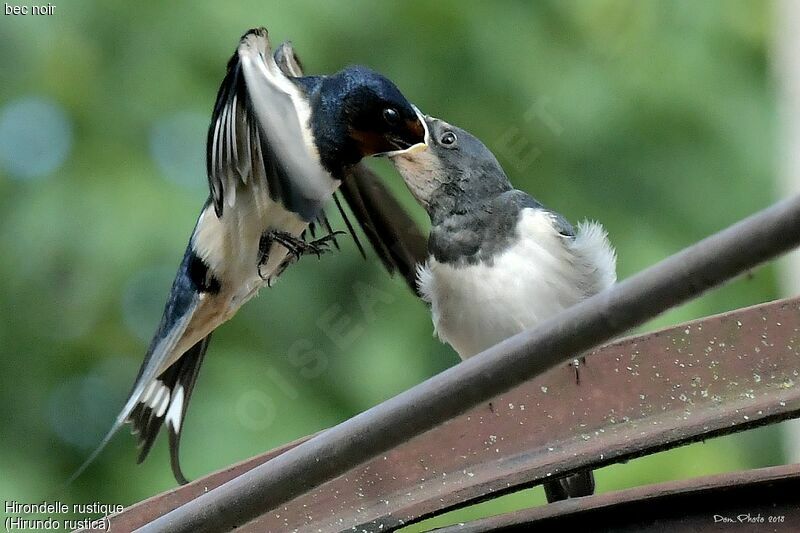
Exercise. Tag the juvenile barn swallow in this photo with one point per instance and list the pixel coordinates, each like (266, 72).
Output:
(278, 147)
(499, 261)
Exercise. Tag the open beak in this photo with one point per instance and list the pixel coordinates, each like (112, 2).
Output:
(399, 144)
(404, 147)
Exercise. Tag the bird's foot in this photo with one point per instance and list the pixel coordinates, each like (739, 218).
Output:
(576, 365)
(296, 246)
(322, 245)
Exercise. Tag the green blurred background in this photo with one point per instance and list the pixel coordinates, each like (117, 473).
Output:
(656, 118)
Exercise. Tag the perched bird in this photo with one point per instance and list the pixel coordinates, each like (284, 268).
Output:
(499, 261)
(279, 145)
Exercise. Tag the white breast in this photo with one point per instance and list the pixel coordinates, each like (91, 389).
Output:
(477, 306)
(230, 246)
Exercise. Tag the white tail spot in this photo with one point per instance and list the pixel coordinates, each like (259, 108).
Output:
(175, 411)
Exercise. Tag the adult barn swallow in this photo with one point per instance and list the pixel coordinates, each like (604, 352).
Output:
(499, 261)
(396, 238)
(278, 147)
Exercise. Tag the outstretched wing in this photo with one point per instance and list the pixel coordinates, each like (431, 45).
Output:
(259, 132)
(260, 156)
(395, 236)
(258, 145)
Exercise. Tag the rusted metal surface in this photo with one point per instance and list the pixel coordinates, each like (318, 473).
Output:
(767, 499)
(145, 511)
(636, 396)
(499, 369)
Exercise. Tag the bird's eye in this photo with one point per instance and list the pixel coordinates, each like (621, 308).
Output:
(448, 138)
(390, 116)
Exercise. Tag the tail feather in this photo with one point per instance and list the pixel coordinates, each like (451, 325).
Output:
(181, 306)
(164, 404)
(146, 376)
(177, 411)
(118, 423)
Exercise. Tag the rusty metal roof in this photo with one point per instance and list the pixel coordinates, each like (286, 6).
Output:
(765, 499)
(637, 396)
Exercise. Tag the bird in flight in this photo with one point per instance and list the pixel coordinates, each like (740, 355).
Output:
(279, 146)
(499, 261)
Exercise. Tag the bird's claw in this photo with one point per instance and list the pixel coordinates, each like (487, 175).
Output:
(319, 246)
(296, 246)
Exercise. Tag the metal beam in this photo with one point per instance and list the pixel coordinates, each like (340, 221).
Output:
(766, 499)
(637, 396)
(471, 383)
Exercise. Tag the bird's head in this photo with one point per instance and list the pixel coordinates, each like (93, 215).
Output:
(366, 114)
(456, 169)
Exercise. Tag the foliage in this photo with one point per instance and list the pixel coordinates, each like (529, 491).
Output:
(656, 118)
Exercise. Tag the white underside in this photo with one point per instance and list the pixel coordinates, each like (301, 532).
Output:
(230, 245)
(477, 306)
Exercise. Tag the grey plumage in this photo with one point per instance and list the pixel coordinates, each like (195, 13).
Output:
(499, 261)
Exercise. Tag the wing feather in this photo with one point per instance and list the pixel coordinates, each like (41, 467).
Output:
(260, 122)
